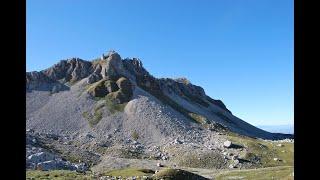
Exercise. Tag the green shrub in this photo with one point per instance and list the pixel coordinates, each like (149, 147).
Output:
(135, 135)
(114, 107)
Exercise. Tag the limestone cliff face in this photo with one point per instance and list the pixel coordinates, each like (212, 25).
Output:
(110, 68)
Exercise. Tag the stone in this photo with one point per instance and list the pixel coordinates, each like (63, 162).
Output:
(111, 86)
(47, 165)
(94, 77)
(30, 130)
(235, 157)
(276, 159)
(98, 89)
(124, 84)
(231, 166)
(159, 165)
(227, 144)
(40, 157)
(119, 96)
(113, 66)
(280, 145)
(177, 141)
(81, 167)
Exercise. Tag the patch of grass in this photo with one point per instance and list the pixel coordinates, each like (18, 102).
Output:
(85, 115)
(281, 173)
(96, 117)
(176, 174)
(125, 153)
(57, 175)
(129, 172)
(199, 118)
(135, 135)
(208, 160)
(265, 151)
(114, 107)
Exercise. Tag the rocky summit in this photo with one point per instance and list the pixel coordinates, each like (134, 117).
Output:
(111, 113)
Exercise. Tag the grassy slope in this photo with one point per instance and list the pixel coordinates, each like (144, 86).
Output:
(265, 151)
(129, 172)
(281, 173)
(56, 174)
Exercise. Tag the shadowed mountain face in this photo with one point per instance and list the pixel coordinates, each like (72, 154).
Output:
(108, 93)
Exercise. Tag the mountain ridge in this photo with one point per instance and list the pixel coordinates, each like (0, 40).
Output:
(104, 74)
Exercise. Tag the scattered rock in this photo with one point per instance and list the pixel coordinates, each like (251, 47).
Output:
(227, 144)
(177, 141)
(40, 157)
(236, 162)
(235, 157)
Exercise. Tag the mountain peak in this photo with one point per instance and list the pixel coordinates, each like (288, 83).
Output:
(119, 80)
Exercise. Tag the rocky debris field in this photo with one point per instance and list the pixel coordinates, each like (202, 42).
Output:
(219, 152)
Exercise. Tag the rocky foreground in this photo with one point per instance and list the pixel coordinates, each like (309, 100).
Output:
(108, 114)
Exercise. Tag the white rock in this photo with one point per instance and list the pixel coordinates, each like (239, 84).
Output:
(227, 144)
(276, 159)
(40, 157)
(159, 164)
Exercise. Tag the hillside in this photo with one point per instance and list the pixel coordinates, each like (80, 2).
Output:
(111, 113)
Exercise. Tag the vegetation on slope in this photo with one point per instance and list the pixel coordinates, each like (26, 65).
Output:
(129, 172)
(56, 175)
(265, 151)
(281, 173)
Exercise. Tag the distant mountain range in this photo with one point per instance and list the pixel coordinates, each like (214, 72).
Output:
(286, 129)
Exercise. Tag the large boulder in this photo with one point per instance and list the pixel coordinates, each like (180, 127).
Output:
(113, 67)
(40, 157)
(227, 144)
(125, 85)
(102, 88)
(94, 77)
(119, 97)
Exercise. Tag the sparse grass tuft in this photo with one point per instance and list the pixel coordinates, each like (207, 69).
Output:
(114, 107)
(96, 117)
(135, 135)
(199, 118)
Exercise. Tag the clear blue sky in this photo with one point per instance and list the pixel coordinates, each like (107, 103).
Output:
(239, 51)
